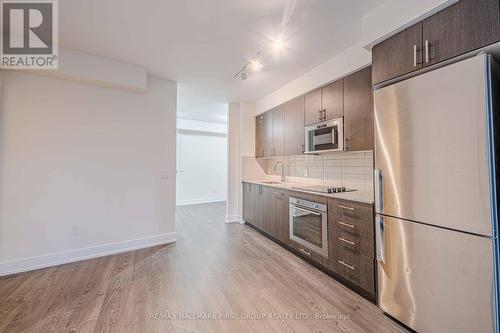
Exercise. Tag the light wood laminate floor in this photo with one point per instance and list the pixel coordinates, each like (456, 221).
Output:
(213, 270)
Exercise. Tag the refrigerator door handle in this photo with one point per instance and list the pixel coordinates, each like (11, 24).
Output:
(380, 238)
(379, 204)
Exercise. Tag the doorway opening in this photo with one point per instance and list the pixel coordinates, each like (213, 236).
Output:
(201, 162)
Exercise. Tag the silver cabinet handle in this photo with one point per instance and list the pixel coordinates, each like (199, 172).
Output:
(380, 238)
(347, 225)
(305, 252)
(379, 200)
(347, 265)
(414, 55)
(278, 193)
(427, 46)
(347, 241)
(345, 207)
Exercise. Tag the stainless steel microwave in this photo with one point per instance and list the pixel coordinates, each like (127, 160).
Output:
(325, 136)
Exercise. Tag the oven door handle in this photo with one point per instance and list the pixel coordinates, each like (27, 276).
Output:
(306, 210)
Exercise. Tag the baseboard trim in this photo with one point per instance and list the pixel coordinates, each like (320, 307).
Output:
(234, 219)
(199, 201)
(58, 258)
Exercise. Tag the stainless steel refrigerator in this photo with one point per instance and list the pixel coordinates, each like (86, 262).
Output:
(435, 198)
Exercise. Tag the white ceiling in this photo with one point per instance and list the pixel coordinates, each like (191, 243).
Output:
(201, 44)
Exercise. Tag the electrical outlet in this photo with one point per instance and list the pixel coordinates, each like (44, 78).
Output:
(75, 230)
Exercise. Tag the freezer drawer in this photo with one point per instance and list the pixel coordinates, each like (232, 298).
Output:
(436, 280)
(431, 138)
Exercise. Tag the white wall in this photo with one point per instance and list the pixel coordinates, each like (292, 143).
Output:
(201, 126)
(87, 159)
(247, 129)
(202, 162)
(83, 67)
(234, 186)
(241, 131)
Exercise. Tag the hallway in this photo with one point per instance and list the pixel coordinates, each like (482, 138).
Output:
(214, 270)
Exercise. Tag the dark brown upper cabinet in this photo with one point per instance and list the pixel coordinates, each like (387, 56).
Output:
(259, 136)
(294, 126)
(278, 135)
(268, 134)
(332, 100)
(460, 28)
(312, 107)
(325, 103)
(398, 55)
(358, 111)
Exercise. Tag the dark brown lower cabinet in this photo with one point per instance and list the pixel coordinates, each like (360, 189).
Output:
(252, 204)
(266, 208)
(351, 230)
(279, 215)
(247, 202)
(354, 267)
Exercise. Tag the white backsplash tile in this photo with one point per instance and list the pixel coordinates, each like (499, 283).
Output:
(349, 169)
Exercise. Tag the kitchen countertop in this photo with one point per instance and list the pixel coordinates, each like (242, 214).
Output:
(357, 196)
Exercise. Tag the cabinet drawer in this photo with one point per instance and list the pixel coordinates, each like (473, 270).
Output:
(349, 209)
(359, 227)
(345, 239)
(355, 268)
(307, 253)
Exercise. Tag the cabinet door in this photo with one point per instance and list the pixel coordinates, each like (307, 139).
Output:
(312, 107)
(358, 111)
(398, 55)
(265, 208)
(294, 127)
(259, 136)
(278, 115)
(332, 99)
(279, 215)
(247, 202)
(257, 215)
(460, 28)
(268, 134)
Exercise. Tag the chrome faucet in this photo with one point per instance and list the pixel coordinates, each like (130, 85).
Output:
(283, 177)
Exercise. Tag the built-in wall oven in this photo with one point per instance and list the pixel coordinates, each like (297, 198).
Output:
(308, 225)
(325, 136)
